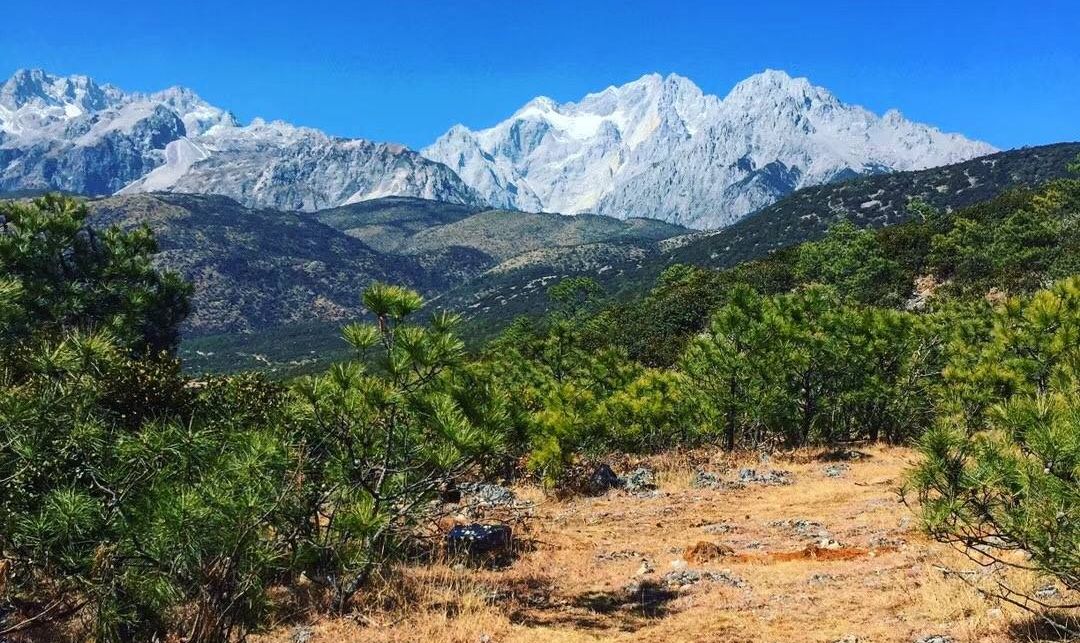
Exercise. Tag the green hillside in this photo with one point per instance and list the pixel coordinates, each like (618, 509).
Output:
(493, 300)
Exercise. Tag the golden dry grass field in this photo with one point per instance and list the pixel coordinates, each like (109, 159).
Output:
(821, 560)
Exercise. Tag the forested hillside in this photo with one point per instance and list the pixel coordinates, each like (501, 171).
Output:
(492, 301)
(271, 288)
(877, 201)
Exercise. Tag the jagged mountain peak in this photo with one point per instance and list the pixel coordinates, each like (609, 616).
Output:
(777, 85)
(660, 147)
(37, 86)
(74, 134)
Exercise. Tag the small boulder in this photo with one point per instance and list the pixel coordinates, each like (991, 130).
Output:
(802, 527)
(478, 540)
(639, 480)
(489, 495)
(685, 577)
(706, 480)
(835, 470)
(717, 528)
(602, 480)
(682, 577)
(934, 638)
(767, 477)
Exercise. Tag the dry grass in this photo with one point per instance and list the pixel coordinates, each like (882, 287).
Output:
(879, 581)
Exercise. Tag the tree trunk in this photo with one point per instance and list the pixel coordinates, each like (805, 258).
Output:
(730, 443)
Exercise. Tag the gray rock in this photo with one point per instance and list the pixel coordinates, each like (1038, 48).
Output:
(767, 477)
(479, 540)
(934, 638)
(685, 577)
(490, 495)
(602, 480)
(717, 528)
(801, 527)
(836, 470)
(639, 480)
(707, 480)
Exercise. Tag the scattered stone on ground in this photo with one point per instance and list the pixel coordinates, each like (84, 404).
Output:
(639, 480)
(707, 480)
(704, 551)
(621, 554)
(687, 577)
(602, 480)
(934, 638)
(302, 634)
(717, 528)
(882, 540)
(478, 539)
(848, 638)
(821, 579)
(1048, 591)
(766, 477)
(801, 527)
(836, 470)
(490, 495)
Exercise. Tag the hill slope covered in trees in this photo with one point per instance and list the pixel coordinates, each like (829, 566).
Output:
(493, 300)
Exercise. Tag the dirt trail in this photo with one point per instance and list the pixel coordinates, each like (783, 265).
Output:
(821, 559)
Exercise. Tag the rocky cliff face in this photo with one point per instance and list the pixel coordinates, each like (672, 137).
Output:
(659, 147)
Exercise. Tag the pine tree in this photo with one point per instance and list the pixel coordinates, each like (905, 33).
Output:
(1002, 471)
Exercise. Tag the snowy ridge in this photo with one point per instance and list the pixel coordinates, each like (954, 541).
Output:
(285, 167)
(71, 133)
(659, 147)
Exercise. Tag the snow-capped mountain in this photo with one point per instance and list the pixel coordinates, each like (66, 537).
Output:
(284, 167)
(659, 147)
(71, 133)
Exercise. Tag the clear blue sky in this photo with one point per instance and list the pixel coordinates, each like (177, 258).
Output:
(401, 70)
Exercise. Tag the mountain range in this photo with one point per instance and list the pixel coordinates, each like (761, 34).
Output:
(656, 147)
(659, 147)
(73, 134)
